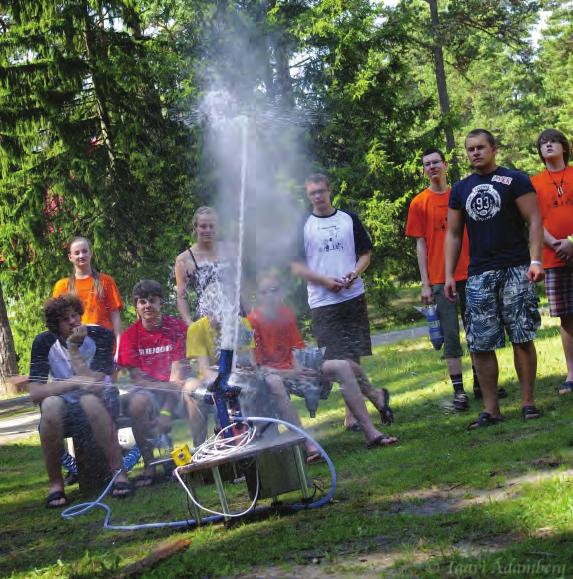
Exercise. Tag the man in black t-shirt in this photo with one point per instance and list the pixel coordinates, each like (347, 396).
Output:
(494, 203)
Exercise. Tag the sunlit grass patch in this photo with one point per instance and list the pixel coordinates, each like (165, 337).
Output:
(422, 507)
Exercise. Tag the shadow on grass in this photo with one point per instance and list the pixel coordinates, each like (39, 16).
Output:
(435, 452)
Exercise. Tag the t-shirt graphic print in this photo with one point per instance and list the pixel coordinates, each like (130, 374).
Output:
(496, 229)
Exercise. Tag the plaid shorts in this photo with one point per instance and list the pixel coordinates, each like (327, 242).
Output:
(499, 301)
(559, 289)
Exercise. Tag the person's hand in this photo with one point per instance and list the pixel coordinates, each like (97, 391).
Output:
(535, 273)
(93, 386)
(564, 249)
(308, 372)
(163, 423)
(333, 284)
(426, 295)
(349, 279)
(450, 290)
(78, 334)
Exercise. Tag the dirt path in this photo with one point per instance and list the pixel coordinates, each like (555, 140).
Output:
(352, 560)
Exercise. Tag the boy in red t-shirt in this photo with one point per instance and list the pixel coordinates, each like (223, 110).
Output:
(427, 223)
(276, 335)
(153, 350)
(554, 188)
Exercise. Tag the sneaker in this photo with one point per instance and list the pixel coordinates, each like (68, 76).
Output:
(461, 402)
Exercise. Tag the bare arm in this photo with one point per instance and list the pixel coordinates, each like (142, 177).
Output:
(422, 255)
(452, 249)
(181, 289)
(144, 380)
(40, 390)
(300, 269)
(529, 209)
(115, 319)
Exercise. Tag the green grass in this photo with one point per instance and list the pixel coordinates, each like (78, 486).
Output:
(399, 313)
(391, 506)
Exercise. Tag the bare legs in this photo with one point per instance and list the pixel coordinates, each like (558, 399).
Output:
(567, 341)
(525, 361)
(375, 395)
(282, 405)
(344, 372)
(52, 437)
(488, 373)
(197, 412)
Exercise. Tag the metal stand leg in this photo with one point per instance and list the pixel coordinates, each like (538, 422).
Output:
(221, 491)
(196, 512)
(301, 471)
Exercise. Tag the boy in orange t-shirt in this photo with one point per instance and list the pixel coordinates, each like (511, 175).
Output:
(554, 188)
(276, 335)
(427, 223)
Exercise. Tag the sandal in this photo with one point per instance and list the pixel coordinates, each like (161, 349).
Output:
(530, 412)
(382, 440)
(144, 480)
(56, 496)
(484, 419)
(566, 388)
(386, 414)
(314, 458)
(121, 490)
(353, 427)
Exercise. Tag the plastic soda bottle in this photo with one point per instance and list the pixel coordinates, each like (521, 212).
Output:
(434, 327)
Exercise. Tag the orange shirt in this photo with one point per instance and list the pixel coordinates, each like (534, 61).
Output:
(275, 338)
(97, 310)
(557, 211)
(428, 218)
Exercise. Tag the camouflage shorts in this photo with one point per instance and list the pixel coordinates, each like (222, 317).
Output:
(499, 301)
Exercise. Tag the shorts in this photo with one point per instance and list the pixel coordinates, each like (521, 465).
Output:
(74, 421)
(559, 289)
(448, 314)
(343, 329)
(498, 300)
(156, 398)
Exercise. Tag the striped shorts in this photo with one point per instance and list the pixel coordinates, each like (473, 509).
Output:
(559, 289)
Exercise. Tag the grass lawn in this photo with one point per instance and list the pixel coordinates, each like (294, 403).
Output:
(444, 502)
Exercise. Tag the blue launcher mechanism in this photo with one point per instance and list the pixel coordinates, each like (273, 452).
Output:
(223, 395)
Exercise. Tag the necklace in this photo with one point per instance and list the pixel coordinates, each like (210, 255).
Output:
(558, 188)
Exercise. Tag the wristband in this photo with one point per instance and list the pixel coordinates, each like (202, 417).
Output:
(165, 412)
(535, 262)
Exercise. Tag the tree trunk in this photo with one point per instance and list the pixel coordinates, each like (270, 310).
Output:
(8, 359)
(443, 96)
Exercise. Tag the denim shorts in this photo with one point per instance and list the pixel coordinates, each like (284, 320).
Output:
(499, 301)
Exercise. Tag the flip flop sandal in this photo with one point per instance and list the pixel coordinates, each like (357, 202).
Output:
(353, 428)
(566, 388)
(530, 412)
(386, 414)
(314, 458)
(501, 393)
(122, 490)
(382, 440)
(484, 419)
(56, 496)
(144, 481)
